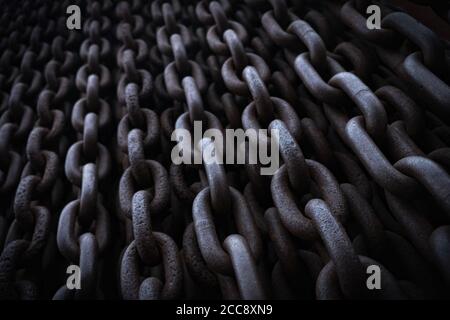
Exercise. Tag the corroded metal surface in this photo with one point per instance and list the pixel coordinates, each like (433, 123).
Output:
(86, 176)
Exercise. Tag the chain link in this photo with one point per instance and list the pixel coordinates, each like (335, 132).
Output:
(86, 133)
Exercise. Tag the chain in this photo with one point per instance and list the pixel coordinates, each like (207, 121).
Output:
(89, 123)
(83, 232)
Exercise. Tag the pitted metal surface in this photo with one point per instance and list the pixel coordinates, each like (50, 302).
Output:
(87, 179)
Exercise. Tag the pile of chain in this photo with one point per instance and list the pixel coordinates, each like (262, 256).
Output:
(86, 176)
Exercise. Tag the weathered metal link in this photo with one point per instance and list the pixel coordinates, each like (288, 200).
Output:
(215, 257)
(145, 242)
(244, 266)
(428, 42)
(291, 261)
(130, 283)
(348, 267)
(115, 151)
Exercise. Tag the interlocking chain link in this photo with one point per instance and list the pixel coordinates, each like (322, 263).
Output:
(87, 121)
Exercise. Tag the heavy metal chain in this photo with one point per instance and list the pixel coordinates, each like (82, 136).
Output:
(87, 125)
